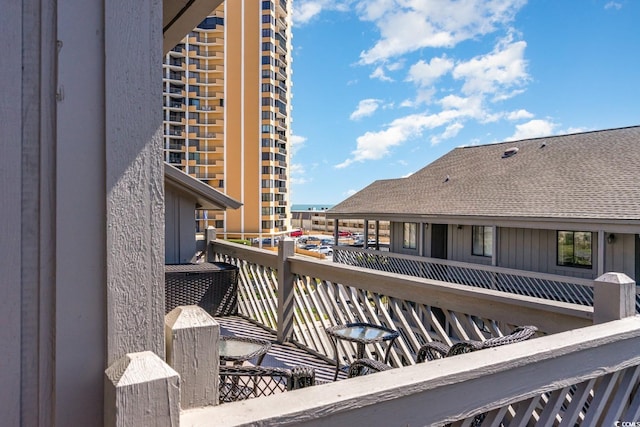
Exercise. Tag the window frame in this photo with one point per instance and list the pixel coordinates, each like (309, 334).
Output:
(573, 263)
(410, 235)
(487, 247)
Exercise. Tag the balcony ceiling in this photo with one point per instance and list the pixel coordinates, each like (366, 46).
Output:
(182, 16)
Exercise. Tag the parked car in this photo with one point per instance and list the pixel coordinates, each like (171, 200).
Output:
(296, 233)
(325, 250)
(310, 247)
(269, 242)
(342, 233)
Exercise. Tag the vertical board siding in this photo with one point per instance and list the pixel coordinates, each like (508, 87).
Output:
(80, 215)
(11, 105)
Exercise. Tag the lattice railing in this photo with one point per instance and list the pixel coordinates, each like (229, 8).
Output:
(539, 285)
(327, 294)
(598, 401)
(592, 380)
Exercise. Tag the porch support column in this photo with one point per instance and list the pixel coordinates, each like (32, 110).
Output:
(286, 249)
(210, 237)
(420, 238)
(601, 250)
(336, 234)
(378, 235)
(366, 233)
(494, 246)
(614, 297)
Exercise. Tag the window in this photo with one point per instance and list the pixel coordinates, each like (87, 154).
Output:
(574, 249)
(409, 236)
(482, 241)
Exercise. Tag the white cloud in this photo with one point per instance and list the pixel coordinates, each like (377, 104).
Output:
(297, 142)
(376, 145)
(297, 174)
(495, 72)
(411, 25)
(613, 5)
(395, 66)
(425, 74)
(451, 131)
(349, 192)
(533, 129)
(520, 114)
(305, 10)
(378, 73)
(366, 108)
(423, 96)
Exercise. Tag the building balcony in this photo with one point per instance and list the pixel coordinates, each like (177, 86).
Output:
(580, 368)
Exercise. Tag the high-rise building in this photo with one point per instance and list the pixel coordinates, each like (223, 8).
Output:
(227, 105)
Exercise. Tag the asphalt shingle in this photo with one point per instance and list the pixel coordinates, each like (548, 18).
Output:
(591, 175)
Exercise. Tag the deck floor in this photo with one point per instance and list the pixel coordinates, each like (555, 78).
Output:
(281, 355)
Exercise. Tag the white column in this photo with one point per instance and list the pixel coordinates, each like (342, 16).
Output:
(614, 297)
(192, 337)
(286, 249)
(601, 251)
(494, 246)
(141, 390)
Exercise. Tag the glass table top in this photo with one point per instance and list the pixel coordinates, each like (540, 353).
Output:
(234, 349)
(363, 332)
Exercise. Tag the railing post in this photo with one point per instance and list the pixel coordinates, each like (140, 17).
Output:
(614, 297)
(210, 236)
(192, 336)
(286, 249)
(141, 390)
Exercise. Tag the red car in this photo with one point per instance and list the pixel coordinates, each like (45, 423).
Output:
(296, 233)
(344, 233)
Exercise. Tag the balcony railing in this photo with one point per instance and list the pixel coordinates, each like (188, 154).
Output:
(575, 373)
(548, 286)
(421, 309)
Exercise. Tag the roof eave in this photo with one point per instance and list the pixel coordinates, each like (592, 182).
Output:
(206, 196)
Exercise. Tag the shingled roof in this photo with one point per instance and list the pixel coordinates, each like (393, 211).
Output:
(591, 175)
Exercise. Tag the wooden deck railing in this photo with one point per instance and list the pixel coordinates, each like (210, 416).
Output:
(576, 373)
(585, 377)
(319, 294)
(540, 285)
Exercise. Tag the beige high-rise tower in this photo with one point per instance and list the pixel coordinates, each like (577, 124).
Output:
(227, 105)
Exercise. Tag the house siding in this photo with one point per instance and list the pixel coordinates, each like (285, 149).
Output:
(396, 240)
(535, 250)
(620, 256)
(525, 249)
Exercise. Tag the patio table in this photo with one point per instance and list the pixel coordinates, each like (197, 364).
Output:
(241, 349)
(361, 334)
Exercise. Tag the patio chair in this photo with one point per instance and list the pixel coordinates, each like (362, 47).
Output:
(246, 382)
(438, 350)
(366, 366)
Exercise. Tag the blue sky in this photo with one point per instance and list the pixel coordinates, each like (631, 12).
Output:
(381, 88)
